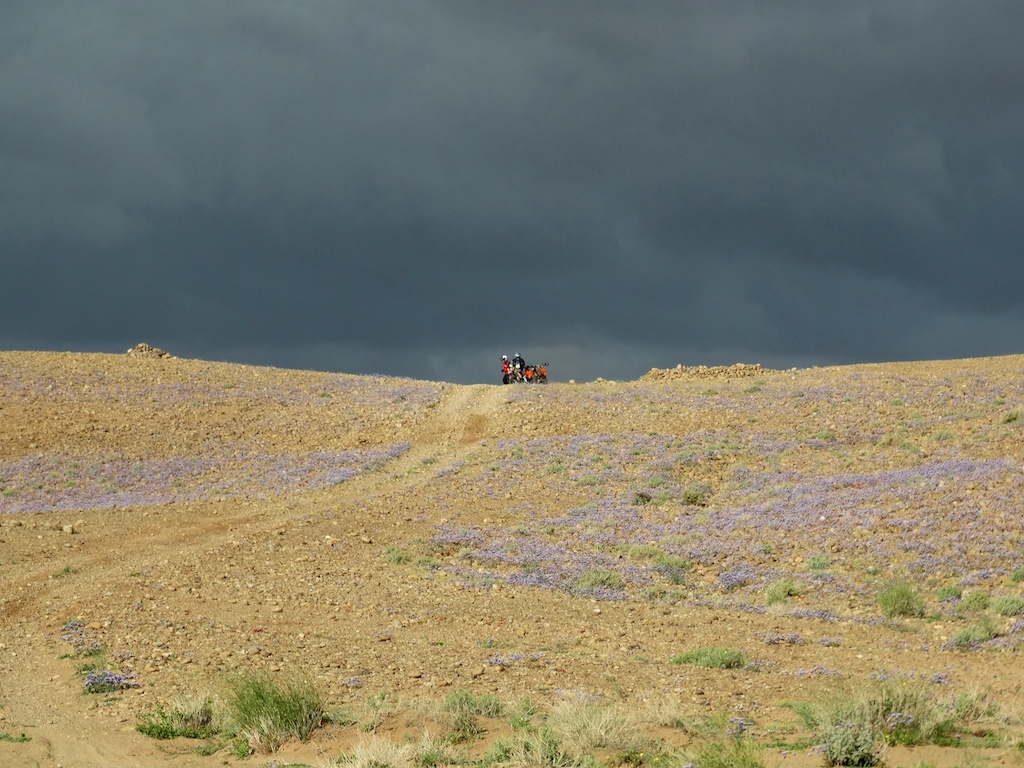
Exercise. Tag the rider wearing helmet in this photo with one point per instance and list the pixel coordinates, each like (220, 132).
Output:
(518, 363)
(506, 369)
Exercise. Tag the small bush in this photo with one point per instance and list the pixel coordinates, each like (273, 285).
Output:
(269, 713)
(738, 753)
(779, 591)
(1008, 605)
(673, 561)
(819, 562)
(908, 714)
(191, 719)
(898, 598)
(522, 713)
(464, 702)
(582, 726)
(536, 749)
(396, 556)
(981, 632)
(807, 712)
(972, 706)
(464, 708)
(673, 567)
(378, 708)
(596, 578)
(1017, 576)
(641, 551)
(696, 495)
(377, 752)
(950, 593)
(976, 601)
(713, 657)
(851, 743)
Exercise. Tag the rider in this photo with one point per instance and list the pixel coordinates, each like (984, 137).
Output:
(506, 369)
(518, 363)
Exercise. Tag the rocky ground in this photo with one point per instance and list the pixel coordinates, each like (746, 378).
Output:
(178, 521)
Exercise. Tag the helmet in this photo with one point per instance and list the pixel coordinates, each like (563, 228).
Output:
(504, 357)
(517, 354)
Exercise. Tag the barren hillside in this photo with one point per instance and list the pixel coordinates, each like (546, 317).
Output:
(175, 523)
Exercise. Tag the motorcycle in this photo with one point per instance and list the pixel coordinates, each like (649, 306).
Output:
(531, 374)
(537, 374)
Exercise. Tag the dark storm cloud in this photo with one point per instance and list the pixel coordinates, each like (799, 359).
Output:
(346, 185)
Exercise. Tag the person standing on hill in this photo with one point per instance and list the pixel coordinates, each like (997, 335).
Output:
(518, 364)
(506, 369)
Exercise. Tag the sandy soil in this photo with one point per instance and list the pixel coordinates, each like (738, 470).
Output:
(187, 519)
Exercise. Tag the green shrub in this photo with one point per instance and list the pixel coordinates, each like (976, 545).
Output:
(819, 562)
(950, 593)
(582, 726)
(968, 707)
(1017, 575)
(976, 601)
(673, 567)
(378, 707)
(737, 753)
(542, 749)
(898, 598)
(715, 657)
(851, 743)
(641, 551)
(908, 714)
(522, 713)
(854, 728)
(268, 713)
(981, 632)
(696, 495)
(462, 702)
(396, 556)
(807, 712)
(779, 591)
(1008, 605)
(673, 561)
(464, 708)
(599, 577)
(192, 719)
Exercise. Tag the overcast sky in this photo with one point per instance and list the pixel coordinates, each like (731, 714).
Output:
(417, 187)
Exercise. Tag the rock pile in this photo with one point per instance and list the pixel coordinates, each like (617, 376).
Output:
(145, 350)
(736, 371)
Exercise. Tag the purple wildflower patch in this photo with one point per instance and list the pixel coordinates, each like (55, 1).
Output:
(107, 681)
(54, 483)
